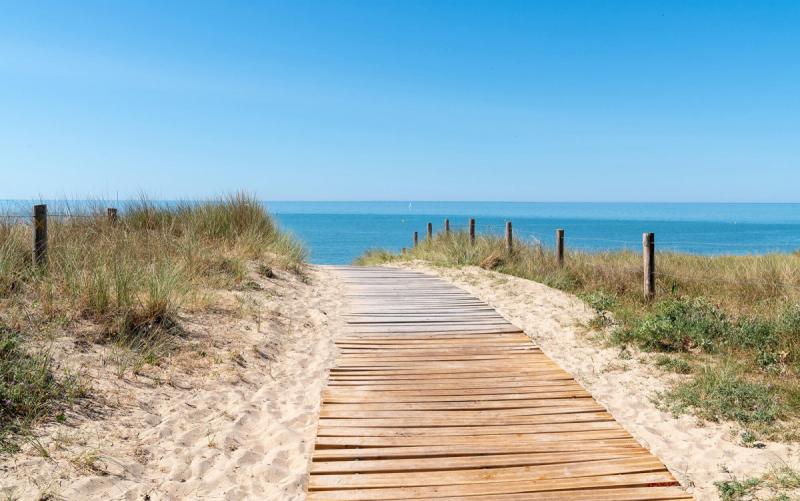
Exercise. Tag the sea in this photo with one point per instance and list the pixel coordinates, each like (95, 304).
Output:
(339, 232)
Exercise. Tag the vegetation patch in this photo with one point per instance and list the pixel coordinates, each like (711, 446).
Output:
(779, 484)
(724, 394)
(29, 390)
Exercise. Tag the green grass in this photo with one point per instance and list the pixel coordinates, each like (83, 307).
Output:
(673, 364)
(715, 312)
(722, 393)
(129, 280)
(29, 390)
(779, 484)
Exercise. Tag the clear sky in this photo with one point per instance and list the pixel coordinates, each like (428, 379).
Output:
(378, 100)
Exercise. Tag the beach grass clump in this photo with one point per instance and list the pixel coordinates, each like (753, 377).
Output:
(29, 389)
(723, 393)
(673, 364)
(724, 311)
(126, 281)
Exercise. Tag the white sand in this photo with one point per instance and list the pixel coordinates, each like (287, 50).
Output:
(237, 423)
(698, 454)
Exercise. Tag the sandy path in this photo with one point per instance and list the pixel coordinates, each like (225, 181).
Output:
(236, 422)
(697, 454)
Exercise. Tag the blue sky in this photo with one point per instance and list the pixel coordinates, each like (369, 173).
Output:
(405, 100)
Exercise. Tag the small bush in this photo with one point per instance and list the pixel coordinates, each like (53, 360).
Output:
(722, 393)
(679, 325)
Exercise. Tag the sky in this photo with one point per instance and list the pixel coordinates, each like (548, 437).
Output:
(402, 100)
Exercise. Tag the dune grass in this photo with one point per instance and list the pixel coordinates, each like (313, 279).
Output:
(128, 281)
(731, 323)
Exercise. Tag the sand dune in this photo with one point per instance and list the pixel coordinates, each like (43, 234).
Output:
(235, 422)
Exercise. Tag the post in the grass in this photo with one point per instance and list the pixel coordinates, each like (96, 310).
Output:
(430, 231)
(416, 238)
(472, 232)
(509, 237)
(560, 247)
(447, 227)
(112, 215)
(649, 254)
(40, 234)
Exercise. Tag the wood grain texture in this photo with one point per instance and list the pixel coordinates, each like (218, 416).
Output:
(436, 396)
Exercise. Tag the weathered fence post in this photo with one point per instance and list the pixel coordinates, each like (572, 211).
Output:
(112, 215)
(560, 247)
(509, 237)
(649, 253)
(416, 238)
(447, 227)
(472, 232)
(40, 234)
(430, 232)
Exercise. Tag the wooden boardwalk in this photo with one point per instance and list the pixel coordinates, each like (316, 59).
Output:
(436, 396)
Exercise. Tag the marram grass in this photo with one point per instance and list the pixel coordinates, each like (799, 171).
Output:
(129, 280)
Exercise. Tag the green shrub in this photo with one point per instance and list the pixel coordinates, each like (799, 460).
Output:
(678, 325)
(718, 393)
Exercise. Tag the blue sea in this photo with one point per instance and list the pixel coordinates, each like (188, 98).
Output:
(338, 232)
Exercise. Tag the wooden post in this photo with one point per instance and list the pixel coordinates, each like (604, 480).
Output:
(40, 234)
(430, 232)
(649, 253)
(560, 247)
(447, 227)
(472, 232)
(509, 238)
(112, 215)
(416, 239)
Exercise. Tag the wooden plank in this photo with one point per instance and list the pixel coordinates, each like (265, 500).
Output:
(657, 479)
(641, 463)
(462, 462)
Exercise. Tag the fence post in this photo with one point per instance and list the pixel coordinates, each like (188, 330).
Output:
(430, 231)
(649, 253)
(112, 215)
(416, 238)
(40, 234)
(509, 238)
(447, 227)
(560, 247)
(472, 232)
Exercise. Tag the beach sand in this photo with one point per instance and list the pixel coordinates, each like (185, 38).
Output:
(697, 453)
(232, 415)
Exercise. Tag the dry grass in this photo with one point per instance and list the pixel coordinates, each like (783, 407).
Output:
(124, 282)
(734, 316)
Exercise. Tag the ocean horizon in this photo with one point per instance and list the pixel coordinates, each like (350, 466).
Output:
(339, 232)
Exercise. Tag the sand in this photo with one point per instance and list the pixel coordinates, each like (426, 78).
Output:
(231, 416)
(698, 454)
